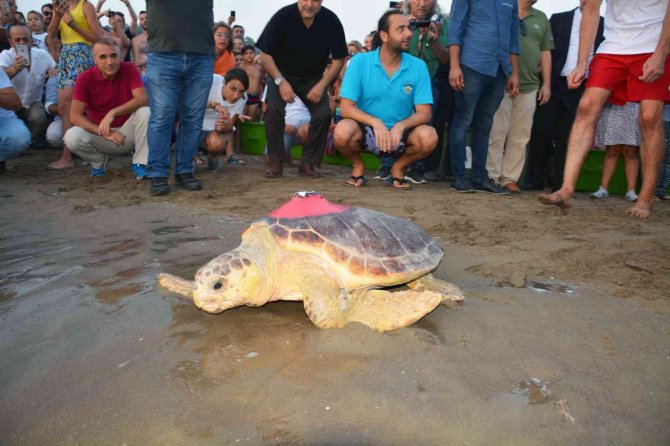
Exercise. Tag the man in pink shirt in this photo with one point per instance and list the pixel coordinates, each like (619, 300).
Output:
(109, 111)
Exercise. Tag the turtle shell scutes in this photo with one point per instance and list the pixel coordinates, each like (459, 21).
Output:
(365, 243)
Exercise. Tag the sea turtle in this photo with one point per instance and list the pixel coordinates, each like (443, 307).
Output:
(333, 258)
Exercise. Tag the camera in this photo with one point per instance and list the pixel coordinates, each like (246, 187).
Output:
(414, 24)
(110, 14)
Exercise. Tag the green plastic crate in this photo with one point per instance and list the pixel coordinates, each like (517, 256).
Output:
(253, 143)
(589, 176)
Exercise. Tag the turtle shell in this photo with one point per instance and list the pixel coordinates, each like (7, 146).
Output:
(366, 248)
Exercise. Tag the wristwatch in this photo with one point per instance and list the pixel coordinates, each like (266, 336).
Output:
(279, 80)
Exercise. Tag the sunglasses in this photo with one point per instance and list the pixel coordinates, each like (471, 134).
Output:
(523, 28)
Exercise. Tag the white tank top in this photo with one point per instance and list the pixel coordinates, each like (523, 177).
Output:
(632, 26)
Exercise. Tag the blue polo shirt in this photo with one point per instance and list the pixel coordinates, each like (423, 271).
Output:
(487, 32)
(389, 99)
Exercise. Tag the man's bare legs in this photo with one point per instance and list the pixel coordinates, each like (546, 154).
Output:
(579, 144)
(64, 103)
(652, 150)
(347, 138)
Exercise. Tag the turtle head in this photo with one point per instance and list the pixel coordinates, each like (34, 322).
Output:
(228, 281)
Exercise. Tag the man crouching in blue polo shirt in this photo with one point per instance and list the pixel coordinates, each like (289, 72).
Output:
(386, 101)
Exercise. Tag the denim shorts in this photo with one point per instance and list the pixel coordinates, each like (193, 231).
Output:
(369, 145)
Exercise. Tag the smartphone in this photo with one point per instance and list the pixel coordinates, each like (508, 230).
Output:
(232, 13)
(393, 5)
(22, 50)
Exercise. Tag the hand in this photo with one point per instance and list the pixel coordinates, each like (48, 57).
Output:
(231, 19)
(105, 126)
(222, 124)
(315, 93)
(456, 78)
(396, 135)
(286, 91)
(434, 31)
(382, 136)
(544, 94)
(224, 114)
(116, 137)
(576, 77)
(20, 63)
(243, 118)
(513, 85)
(53, 72)
(653, 68)
(66, 18)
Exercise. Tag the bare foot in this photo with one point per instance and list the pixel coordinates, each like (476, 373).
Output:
(563, 201)
(64, 162)
(641, 209)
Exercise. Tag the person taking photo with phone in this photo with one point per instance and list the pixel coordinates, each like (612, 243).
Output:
(27, 67)
(78, 25)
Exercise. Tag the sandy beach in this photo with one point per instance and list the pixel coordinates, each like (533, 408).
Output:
(94, 352)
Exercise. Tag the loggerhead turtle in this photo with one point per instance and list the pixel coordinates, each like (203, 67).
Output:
(333, 258)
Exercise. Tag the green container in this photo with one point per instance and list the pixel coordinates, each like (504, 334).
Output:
(589, 176)
(253, 143)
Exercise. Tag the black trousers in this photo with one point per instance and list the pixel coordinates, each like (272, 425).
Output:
(274, 121)
(549, 136)
(438, 161)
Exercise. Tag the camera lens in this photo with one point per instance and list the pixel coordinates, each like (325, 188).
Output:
(412, 25)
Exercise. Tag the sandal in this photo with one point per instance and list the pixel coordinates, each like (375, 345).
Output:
(355, 181)
(232, 159)
(398, 183)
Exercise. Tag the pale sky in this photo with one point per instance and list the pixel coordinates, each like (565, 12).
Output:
(358, 17)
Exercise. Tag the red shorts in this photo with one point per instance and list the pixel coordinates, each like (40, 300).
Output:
(620, 74)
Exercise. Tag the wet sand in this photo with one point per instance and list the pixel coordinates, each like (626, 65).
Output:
(93, 352)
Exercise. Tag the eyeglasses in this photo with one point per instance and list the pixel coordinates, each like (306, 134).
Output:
(523, 28)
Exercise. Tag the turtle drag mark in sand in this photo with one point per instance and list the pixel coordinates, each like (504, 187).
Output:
(333, 258)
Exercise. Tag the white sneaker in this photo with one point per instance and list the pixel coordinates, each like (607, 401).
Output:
(631, 195)
(600, 193)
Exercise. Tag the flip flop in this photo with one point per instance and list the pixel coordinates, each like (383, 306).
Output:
(353, 181)
(398, 183)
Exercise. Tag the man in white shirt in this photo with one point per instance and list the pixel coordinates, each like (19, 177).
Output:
(28, 77)
(632, 65)
(14, 136)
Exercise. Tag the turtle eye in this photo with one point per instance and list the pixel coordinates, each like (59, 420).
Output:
(218, 285)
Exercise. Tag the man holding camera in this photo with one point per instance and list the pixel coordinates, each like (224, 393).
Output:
(296, 45)
(28, 68)
(484, 51)
(386, 104)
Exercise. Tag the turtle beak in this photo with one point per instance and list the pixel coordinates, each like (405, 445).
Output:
(177, 285)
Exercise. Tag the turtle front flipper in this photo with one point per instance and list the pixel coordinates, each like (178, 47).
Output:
(177, 284)
(388, 310)
(449, 291)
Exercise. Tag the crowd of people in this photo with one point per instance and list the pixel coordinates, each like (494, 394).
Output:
(493, 85)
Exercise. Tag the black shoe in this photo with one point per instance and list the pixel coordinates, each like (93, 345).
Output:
(415, 177)
(187, 181)
(462, 184)
(431, 177)
(489, 186)
(159, 186)
(383, 173)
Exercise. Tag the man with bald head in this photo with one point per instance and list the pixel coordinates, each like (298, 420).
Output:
(296, 46)
(28, 76)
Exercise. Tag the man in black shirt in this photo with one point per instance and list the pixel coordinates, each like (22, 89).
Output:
(296, 45)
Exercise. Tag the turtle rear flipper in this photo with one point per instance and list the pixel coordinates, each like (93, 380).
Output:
(449, 291)
(388, 310)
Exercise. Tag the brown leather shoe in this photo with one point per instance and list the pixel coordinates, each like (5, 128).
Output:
(307, 170)
(513, 188)
(274, 173)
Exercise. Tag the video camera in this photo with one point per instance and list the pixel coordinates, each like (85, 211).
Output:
(436, 18)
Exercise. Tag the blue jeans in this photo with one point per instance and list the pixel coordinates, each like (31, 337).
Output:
(179, 84)
(475, 106)
(14, 137)
(664, 173)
